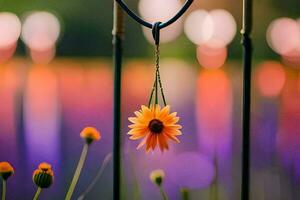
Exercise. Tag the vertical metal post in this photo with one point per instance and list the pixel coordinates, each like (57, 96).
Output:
(118, 32)
(247, 55)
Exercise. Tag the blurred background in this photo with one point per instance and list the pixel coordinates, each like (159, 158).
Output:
(56, 78)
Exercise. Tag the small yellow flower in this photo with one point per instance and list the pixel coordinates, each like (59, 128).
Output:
(43, 176)
(157, 176)
(90, 134)
(156, 126)
(6, 170)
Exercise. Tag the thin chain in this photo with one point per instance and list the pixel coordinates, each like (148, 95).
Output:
(157, 80)
(157, 55)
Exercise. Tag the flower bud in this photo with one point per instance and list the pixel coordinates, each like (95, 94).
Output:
(43, 176)
(90, 134)
(157, 176)
(6, 170)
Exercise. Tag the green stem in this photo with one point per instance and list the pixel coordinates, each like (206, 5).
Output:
(163, 193)
(37, 194)
(185, 194)
(77, 172)
(4, 190)
(104, 164)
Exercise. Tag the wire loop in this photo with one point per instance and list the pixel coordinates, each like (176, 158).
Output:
(186, 5)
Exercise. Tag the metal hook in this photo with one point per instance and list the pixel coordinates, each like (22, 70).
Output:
(186, 5)
(156, 32)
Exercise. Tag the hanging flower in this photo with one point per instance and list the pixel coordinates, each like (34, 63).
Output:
(156, 126)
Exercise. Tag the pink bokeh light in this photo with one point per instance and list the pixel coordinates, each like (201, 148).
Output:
(210, 57)
(283, 36)
(161, 11)
(10, 29)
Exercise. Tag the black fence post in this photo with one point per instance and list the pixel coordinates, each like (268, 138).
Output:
(118, 32)
(247, 56)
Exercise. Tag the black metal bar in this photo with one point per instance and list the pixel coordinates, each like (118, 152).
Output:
(118, 33)
(247, 58)
(186, 5)
(133, 15)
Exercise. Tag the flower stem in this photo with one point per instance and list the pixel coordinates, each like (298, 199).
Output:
(104, 164)
(185, 194)
(163, 193)
(37, 194)
(4, 190)
(77, 172)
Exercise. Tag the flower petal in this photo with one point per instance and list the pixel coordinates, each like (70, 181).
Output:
(154, 141)
(133, 119)
(142, 143)
(164, 112)
(162, 142)
(172, 137)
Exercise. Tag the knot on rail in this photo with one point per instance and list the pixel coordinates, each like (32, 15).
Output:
(156, 32)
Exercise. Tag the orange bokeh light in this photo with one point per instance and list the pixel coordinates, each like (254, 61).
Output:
(214, 110)
(270, 78)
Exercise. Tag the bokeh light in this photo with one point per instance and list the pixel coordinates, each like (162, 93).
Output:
(137, 90)
(161, 11)
(199, 27)
(270, 78)
(214, 112)
(209, 57)
(178, 79)
(199, 174)
(42, 57)
(42, 116)
(7, 53)
(216, 28)
(283, 36)
(224, 28)
(10, 29)
(40, 30)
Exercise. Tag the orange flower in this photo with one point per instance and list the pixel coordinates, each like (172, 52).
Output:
(43, 176)
(90, 134)
(6, 170)
(156, 126)
(45, 166)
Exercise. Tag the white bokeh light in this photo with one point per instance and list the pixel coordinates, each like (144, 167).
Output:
(283, 36)
(40, 30)
(224, 28)
(10, 29)
(215, 29)
(161, 11)
(199, 27)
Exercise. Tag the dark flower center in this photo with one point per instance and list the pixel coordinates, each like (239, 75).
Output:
(156, 126)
